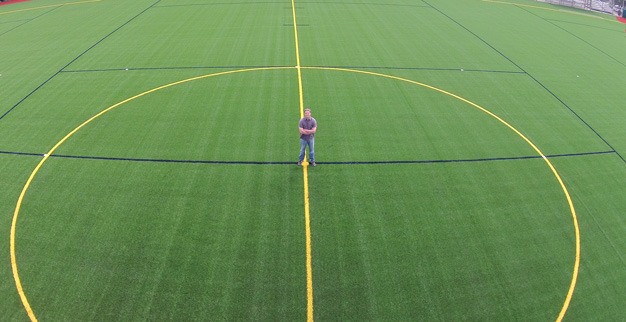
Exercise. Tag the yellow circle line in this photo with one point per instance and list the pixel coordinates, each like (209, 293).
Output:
(50, 6)
(16, 276)
(58, 144)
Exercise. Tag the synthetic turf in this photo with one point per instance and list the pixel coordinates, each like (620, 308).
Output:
(422, 206)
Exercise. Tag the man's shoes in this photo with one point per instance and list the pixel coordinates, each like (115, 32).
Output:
(311, 163)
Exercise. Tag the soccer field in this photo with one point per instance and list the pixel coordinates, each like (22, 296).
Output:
(471, 161)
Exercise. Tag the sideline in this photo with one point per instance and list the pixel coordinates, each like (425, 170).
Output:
(550, 9)
(50, 6)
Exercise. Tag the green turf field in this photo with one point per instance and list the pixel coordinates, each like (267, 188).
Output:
(471, 161)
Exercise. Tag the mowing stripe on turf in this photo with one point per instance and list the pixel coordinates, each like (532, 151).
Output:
(305, 173)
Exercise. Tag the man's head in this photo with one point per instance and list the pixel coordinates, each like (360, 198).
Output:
(307, 113)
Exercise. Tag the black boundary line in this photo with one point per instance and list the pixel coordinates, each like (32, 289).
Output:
(532, 77)
(276, 66)
(218, 4)
(27, 20)
(73, 60)
(527, 157)
(425, 69)
(586, 25)
(84, 157)
(167, 68)
(169, 160)
(22, 153)
(14, 21)
(573, 35)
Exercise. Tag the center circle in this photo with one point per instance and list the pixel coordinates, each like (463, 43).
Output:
(161, 93)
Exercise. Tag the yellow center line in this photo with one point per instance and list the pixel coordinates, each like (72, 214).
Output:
(305, 172)
(295, 31)
(50, 6)
(309, 264)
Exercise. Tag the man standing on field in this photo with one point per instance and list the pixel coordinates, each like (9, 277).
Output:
(308, 127)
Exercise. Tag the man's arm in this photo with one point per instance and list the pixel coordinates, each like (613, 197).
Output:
(307, 132)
